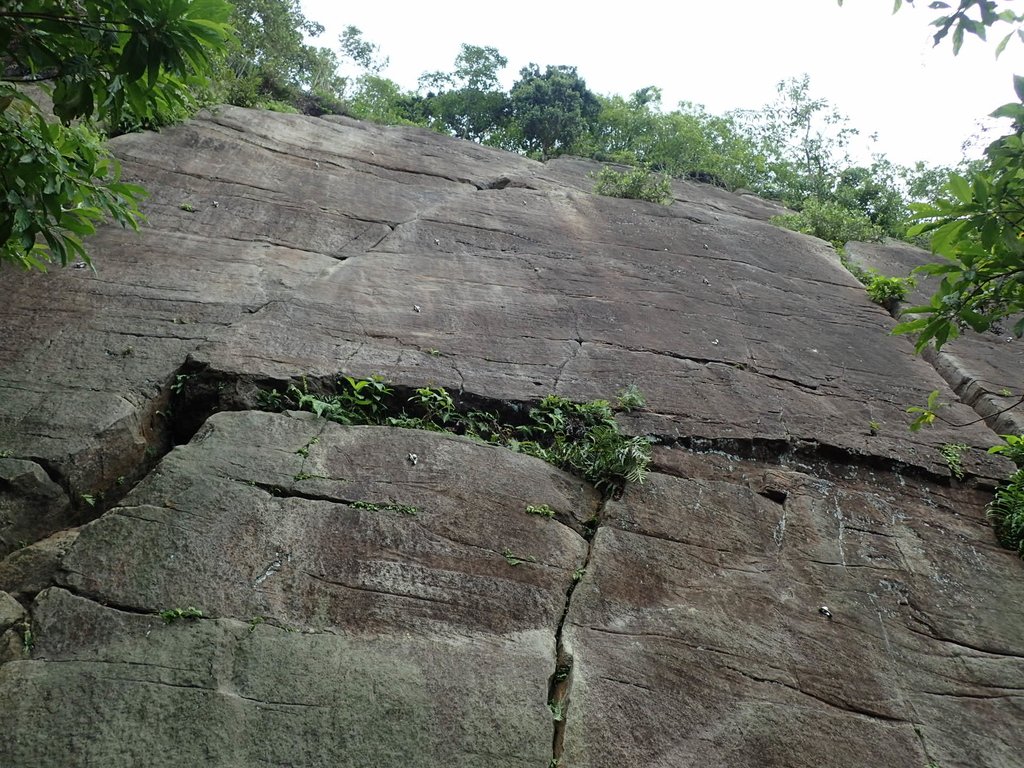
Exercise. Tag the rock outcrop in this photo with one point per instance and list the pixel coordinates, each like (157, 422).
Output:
(192, 580)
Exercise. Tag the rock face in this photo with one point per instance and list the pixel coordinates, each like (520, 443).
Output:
(799, 581)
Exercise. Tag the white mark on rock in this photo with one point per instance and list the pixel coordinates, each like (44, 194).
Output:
(824, 611)
(780, 530)
(273, 568)
(415, 307)
(413, 458)
(842, 528)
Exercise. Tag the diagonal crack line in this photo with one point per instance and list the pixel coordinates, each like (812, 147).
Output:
(933, 634)
(843, 706)
(738, 365)
(976, 696)
(371, 590)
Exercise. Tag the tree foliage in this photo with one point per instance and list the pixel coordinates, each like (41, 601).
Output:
(98, 62)
(553, 109)
(977, 223)
(468, 102)
(270, 61)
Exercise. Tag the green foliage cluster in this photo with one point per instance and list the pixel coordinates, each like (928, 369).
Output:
(976, 223)
(830, 221)
(269, 64)
(1012, 448)
(1006, 510)
(884, 290)
(551, 109)
(373, 506)
(171, 615)
(104, 64)
(953, 455)
(540, 510)
(582, 438)
(636, 184)
(888, 291)
(630, 398)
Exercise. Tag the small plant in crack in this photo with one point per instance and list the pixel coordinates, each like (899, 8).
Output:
(300, 476)
(6, 454)
(578, 574)
(436, 404)
(187, 207)
(304, 450)
(557, 711)
(630, 398)
(402, 509)
(270, 400)
(254, 622)
(180, 382)
(514, 560)
(924, 416)
(92, 499)
(953, 454)
(541, 510)
(582, 438)
(562, 672)
(171, 615)
(28, 638)
(874, 427)
(1006, 511)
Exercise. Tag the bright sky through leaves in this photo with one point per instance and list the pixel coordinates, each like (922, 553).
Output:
(877, 67)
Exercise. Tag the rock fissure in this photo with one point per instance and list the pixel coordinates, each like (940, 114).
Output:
(560, 682)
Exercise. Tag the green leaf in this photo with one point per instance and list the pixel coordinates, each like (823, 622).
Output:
(978, 322)
(960, 187)
(1012, 110)
(910, 326)
(1002, 44)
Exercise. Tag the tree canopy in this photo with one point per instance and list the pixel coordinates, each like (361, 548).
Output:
(101, 62)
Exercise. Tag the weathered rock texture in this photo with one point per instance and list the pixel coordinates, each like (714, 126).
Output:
(799, 582)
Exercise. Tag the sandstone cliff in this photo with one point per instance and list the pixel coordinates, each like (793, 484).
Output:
(375, 596)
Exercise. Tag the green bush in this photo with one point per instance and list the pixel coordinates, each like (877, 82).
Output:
(887, 291)
(1012, 448)
(1006, 511)
(830, 221)
(638, 184)
(884, 290)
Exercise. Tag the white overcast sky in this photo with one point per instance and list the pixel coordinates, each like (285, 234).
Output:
(876, 67)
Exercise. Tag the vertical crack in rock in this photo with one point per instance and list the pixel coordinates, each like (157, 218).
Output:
(560, 682)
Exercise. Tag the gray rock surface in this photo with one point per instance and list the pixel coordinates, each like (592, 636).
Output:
(359, 607)
(31, 504)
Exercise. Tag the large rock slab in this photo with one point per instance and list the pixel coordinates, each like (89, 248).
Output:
(780, 619)
(378, 596)
(345, 593)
